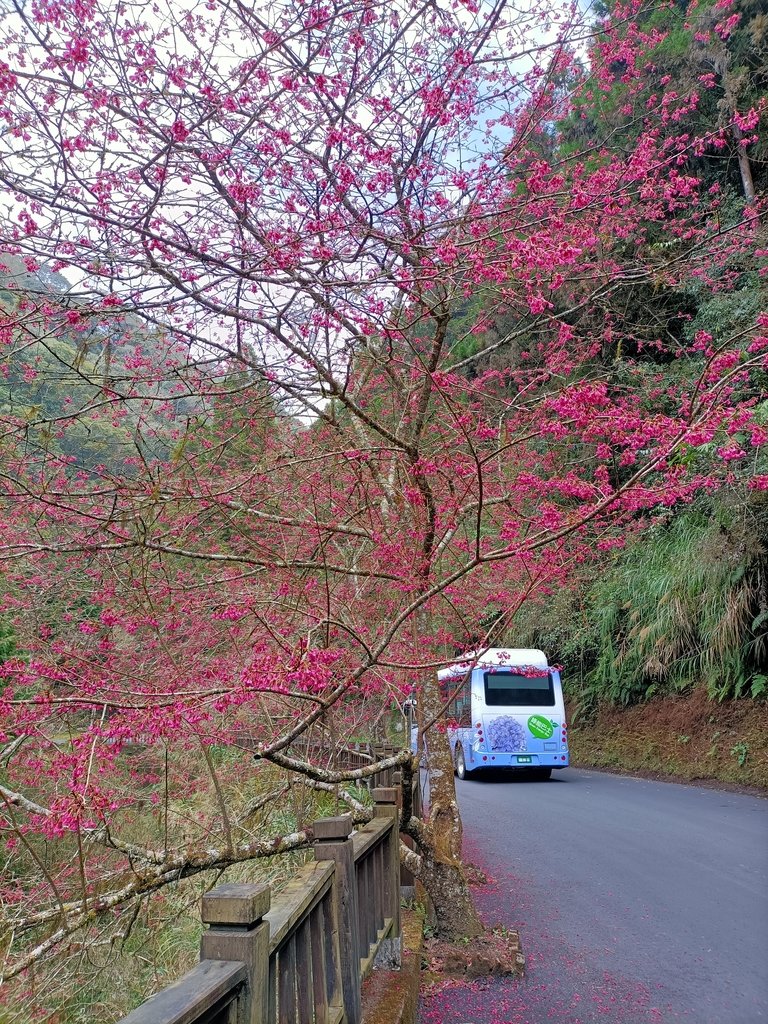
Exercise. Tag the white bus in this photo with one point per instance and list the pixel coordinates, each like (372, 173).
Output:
(504, 709)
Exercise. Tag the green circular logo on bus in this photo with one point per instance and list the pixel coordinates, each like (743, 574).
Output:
(540, 727)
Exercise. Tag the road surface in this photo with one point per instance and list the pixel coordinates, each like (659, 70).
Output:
(638, 902)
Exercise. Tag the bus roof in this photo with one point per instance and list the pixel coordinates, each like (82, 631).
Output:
(510, 657)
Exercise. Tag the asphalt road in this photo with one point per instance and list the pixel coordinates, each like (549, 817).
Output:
(638, 902)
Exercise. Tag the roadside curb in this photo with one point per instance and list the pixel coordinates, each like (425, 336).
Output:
(650, 775)
(392, 997)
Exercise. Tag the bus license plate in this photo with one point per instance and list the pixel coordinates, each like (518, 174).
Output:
(525, 760)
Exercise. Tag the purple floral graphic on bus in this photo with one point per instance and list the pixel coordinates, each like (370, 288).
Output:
(506, 733)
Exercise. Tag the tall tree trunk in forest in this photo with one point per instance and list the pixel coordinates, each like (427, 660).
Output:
(731, 85)
(745, 168)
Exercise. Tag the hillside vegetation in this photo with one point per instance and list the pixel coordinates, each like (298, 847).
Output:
(688, 737)
(677, 606)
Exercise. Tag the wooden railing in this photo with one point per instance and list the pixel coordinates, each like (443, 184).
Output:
(301, 959)
(305, 976)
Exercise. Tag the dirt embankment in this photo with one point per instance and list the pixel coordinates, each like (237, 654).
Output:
(687, 737)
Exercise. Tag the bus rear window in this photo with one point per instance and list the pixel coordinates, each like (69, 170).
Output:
(512, 690)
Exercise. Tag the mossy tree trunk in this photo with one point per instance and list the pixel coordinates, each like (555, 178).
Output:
(439, 839)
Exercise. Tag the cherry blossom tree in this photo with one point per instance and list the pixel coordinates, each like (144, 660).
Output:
(286, 237)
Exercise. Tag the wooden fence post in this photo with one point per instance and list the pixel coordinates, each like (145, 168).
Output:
(332, 842)
(386, 801)
(237, 932)
(397, 783)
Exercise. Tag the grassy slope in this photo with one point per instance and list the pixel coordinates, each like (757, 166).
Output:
(688, 737)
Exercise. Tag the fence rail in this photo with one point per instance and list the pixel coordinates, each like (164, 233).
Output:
(300, 960)
(304, 968)
(208, 994)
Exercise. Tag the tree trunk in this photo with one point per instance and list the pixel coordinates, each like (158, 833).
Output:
(455, 912)
(441, 871)
(730, 101)
(745, 168)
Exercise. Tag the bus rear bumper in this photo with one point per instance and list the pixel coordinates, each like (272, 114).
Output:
(521, 761)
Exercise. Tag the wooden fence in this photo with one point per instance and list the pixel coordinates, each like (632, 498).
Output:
(303, 958)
